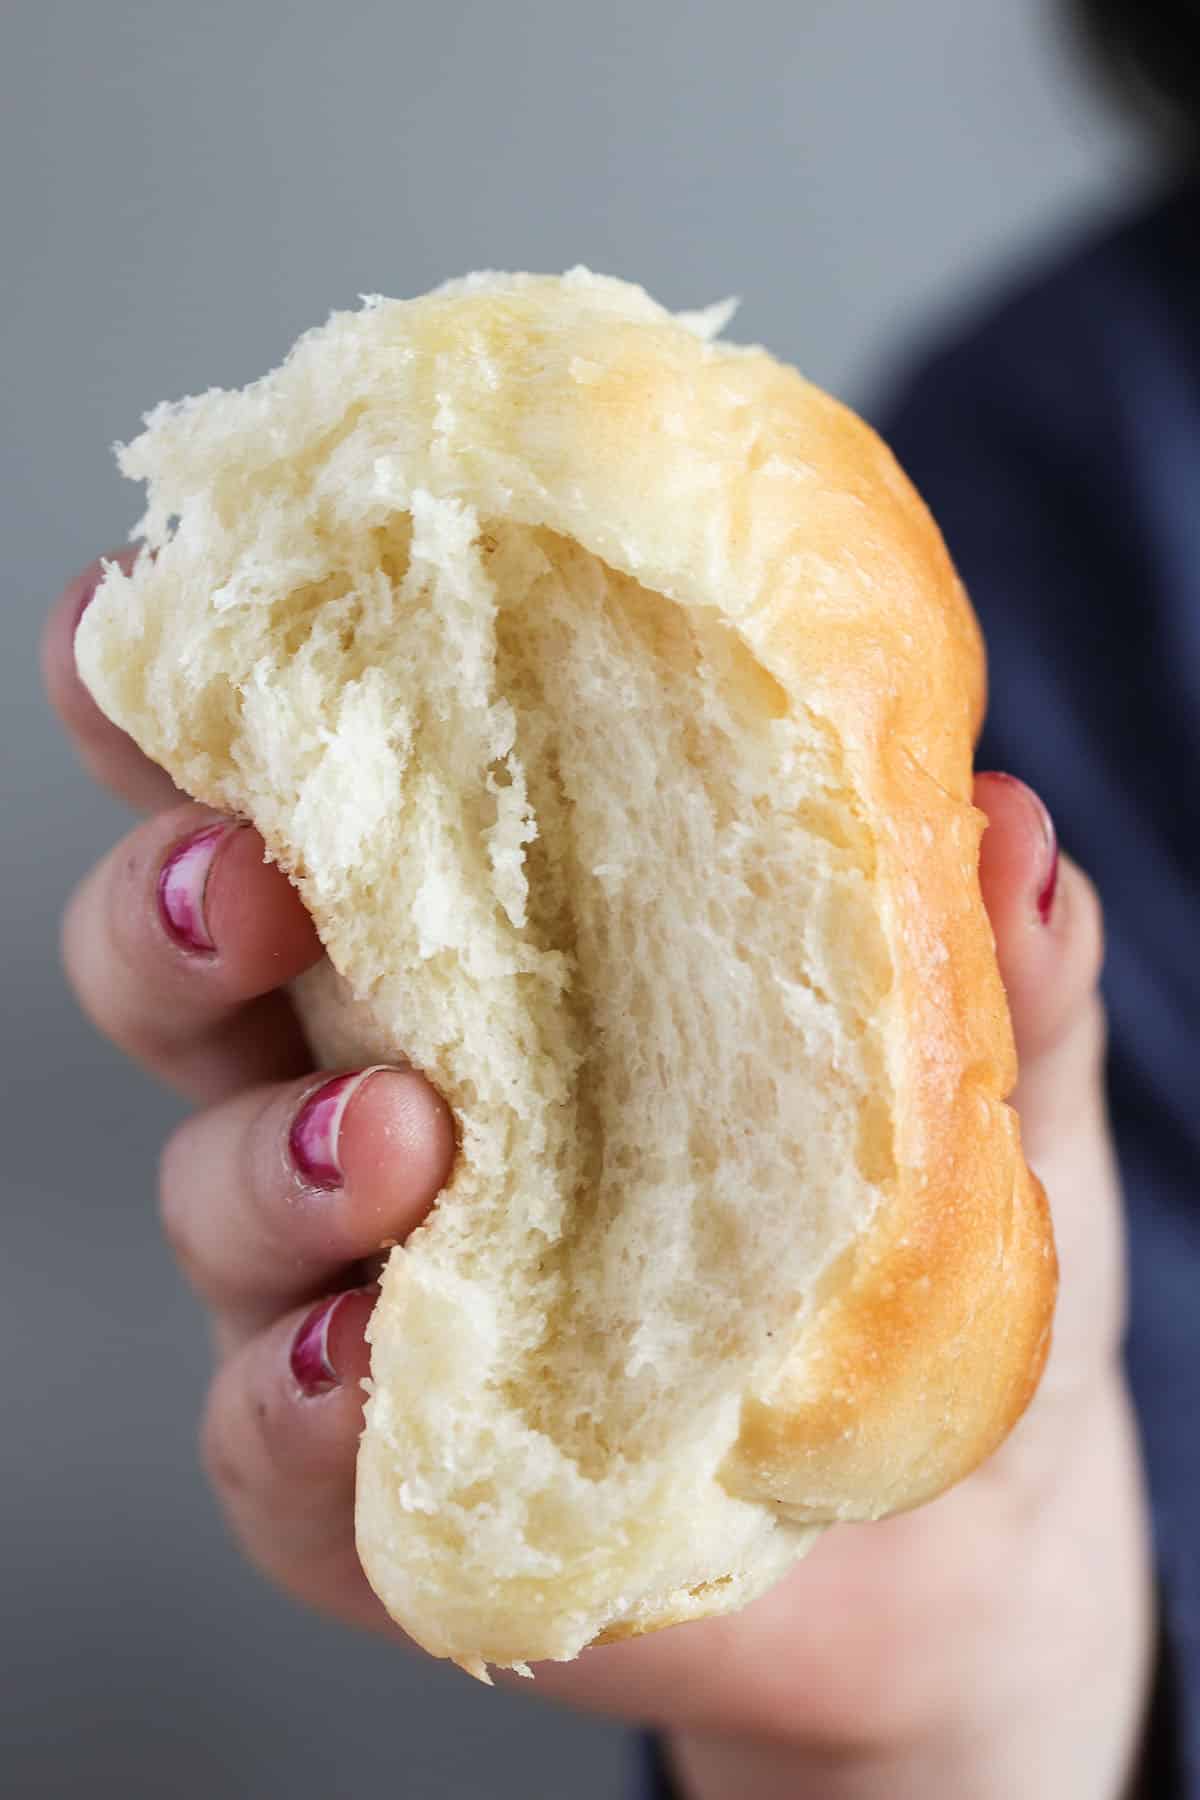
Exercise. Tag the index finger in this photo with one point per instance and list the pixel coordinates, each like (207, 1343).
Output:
(107, 753)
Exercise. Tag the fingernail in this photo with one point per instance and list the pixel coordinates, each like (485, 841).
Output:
(309, 1358)
(313, 1138)
(181, 886)
(1048, 866)
(1046, 893)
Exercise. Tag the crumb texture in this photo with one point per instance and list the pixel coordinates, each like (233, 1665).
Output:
(541, 639)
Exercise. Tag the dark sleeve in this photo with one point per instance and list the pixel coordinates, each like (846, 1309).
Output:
(651, 1780)
(1162, 1774)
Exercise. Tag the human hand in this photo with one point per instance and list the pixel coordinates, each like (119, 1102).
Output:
(993, 1642)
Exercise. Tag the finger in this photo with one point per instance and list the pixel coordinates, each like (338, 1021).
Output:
(174, 944)
(279, 1442)
(108, 754)
(269, 1197)
(1049, 941)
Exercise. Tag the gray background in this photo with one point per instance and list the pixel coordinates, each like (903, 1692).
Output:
(182, 189)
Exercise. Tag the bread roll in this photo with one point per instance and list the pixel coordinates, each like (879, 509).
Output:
(609, 696)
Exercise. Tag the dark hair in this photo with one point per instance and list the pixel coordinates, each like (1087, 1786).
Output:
(1150, 51)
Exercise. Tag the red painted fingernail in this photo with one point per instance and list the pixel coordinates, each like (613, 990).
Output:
(313, 1138)
(1048, 882)
(309, 1358)
(182, 881)
(1049, 887)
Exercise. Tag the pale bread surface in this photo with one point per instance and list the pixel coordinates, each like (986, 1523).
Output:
(610, 698)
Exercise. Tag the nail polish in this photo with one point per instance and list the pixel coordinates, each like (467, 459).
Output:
(1048, 884)
(1049, 887)
(313, 1138)
(181, 885)
(309, 1359)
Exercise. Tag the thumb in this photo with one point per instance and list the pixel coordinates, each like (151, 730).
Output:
(1049, 942)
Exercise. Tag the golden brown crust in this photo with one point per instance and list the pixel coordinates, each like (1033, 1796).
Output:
(933, 1331)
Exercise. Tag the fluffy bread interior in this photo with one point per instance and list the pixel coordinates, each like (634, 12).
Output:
(584, 851)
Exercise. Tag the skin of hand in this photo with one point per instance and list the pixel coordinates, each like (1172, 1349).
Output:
(992, 1643)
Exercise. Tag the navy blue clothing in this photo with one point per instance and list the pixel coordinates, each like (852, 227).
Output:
(1057, 442)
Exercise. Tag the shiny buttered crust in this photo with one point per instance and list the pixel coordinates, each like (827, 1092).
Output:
(574, 422)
